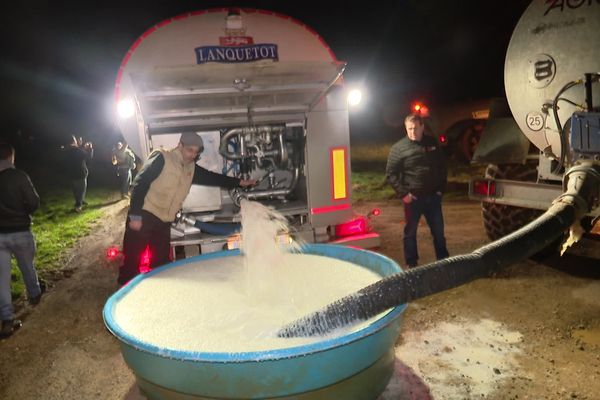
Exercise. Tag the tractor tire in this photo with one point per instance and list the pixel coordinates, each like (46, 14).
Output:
(468, 141)
(500, 220)
(463, 138)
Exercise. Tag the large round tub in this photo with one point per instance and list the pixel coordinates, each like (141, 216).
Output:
(357, 365)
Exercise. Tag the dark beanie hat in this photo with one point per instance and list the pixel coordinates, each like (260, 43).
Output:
(191, 139)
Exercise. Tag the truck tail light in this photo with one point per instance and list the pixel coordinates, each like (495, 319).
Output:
(145, 260)
(484, 187)
(374, 213)
(353, 227)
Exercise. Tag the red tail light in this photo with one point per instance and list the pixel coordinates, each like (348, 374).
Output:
(484, 188)
(374, 213)
(353, 227)
(145, 259)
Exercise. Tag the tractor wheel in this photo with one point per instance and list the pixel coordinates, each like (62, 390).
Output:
(500, 220)
(463, 138)
(469, 140)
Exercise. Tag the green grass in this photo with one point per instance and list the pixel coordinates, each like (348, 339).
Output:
(370, 185)
(57, 227)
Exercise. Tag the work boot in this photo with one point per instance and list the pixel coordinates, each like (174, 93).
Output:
(34, 301)
(9, 326)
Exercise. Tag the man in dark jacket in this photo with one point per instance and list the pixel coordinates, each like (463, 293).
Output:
(18, 200)
(78, 154)
(416, 169)
(158, 193)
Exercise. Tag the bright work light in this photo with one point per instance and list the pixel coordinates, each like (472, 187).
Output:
(354, 97)
(125, 108)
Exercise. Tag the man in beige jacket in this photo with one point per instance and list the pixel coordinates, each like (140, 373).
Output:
(157, 195)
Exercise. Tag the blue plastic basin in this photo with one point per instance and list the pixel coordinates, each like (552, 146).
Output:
(357, 365)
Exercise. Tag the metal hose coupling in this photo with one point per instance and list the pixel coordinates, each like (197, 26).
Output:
(581, 186)
(237, 195)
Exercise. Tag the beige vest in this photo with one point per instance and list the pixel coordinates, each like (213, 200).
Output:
(167, 192)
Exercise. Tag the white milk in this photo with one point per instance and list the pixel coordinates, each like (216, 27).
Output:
(238, 303)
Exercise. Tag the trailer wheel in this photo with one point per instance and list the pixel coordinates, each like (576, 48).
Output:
(500, 220)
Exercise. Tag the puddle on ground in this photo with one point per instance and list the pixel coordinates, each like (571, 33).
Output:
(464, 359)
(589, 336)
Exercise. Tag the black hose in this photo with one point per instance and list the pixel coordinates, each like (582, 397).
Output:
(221, 229)
(438, 276)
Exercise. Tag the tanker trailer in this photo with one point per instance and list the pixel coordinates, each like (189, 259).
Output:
(266, 94)
(550, 121)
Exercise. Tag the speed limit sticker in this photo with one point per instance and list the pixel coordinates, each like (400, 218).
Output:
(535, 121)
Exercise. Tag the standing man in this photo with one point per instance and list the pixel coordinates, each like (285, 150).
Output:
(416, 169)
(78, 155)
(157, 195)
(18, 200)
(124, 159)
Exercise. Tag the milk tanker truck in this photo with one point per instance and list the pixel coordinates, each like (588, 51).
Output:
(550, 125)
(266, 94)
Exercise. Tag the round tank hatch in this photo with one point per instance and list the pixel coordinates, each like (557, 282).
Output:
(553, 44)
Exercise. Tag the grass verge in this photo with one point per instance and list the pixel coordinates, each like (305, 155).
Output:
(57, 227)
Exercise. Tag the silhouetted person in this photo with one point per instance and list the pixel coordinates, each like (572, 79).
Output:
(78, 154)
(124, 159)
(18, 200)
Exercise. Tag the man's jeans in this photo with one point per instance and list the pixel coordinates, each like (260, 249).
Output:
(22, 246)
(79, 189)
(431, 208)
(124, 180)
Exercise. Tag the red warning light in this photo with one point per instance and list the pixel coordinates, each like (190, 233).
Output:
(374, 212)
(145, 259)
(420, 109)
(112, 253)
(443, 139)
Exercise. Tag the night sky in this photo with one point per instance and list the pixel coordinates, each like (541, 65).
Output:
(59, 60)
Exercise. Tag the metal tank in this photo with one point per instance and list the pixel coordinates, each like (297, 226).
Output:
(554, 43)
(267, 96)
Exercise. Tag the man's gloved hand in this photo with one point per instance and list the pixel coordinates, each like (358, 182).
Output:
(247, 182)
(408, 198)
(135, 225)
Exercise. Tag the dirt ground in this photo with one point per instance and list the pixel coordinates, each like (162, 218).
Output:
(532, 332)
